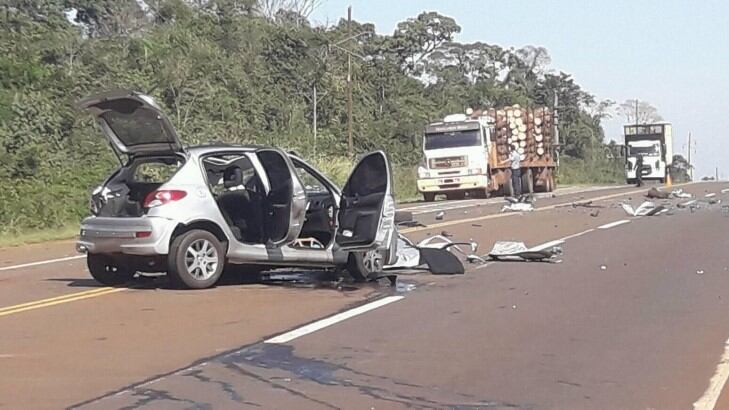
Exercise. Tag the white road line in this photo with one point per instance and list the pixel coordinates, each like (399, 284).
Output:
(716, 385)
(546, 245)
(321, 324)
(25, 265)
(614, 224)
(575, 235)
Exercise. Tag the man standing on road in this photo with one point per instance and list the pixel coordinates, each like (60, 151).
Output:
(515, 163)
(639, 171)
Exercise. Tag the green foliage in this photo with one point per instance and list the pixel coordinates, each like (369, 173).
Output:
(223, 70)
(575, 171)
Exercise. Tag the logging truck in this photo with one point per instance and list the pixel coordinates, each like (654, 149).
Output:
(466, 154)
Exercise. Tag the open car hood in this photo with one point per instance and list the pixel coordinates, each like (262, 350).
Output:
(133, 123)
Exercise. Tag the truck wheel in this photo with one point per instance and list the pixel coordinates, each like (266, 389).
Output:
(106, 271)
(196, 260)
(481, 193)
(364, 265)
(429, 196)
(527, 182)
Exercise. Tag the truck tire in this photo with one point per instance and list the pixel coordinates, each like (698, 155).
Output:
(196, 260)
(108, 272)
(429, 196)
(527, 182)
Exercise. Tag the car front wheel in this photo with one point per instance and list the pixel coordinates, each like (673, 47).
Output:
(107, 271)
(196, 260)
(365, 265)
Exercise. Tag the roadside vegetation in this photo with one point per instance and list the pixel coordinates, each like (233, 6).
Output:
(245, 71)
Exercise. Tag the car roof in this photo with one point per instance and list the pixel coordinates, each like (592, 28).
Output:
(222, 147)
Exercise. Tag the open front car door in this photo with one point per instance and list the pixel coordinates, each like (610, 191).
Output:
(366, 219)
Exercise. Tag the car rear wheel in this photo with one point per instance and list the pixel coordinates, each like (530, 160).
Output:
(107, 271)
(365, 265)
(196, 260)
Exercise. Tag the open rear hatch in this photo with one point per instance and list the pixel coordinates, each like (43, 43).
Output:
(133, 123)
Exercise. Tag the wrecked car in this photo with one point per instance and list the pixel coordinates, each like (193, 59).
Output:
(189, 211)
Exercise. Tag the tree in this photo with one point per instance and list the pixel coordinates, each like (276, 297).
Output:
(639, 112)
(680, 170)
(415, 38)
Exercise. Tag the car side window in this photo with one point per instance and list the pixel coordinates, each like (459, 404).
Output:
(154, 172)
(312, 184)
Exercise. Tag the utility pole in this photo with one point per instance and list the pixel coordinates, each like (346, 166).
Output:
(690, 170)
(716, 178)
(636, 112)
(350, 143)
(314, 119)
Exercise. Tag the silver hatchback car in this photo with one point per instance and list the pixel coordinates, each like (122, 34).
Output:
(190, 211)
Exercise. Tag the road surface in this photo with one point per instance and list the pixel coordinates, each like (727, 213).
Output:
(633, 316)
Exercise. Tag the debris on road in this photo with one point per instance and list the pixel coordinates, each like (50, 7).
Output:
(581, 204)
(725, 190)
(514, 250)
(686, 204)
(699, 272)
(439, 216)
(647, 208)
(678, 193)
(405, 219)
(518, 207)
(595, 213)
(603, 267)
(657, 194)
(437, 254)
(710, 195)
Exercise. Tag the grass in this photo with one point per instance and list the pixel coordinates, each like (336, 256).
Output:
(574, 171)
(39, 235)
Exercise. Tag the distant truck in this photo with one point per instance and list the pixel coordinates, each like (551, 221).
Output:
(466, 153)
(654, 142)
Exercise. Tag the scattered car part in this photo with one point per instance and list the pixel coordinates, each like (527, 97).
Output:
(514, 250)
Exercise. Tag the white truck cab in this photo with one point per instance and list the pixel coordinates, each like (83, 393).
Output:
(455, 153)
(655, 144)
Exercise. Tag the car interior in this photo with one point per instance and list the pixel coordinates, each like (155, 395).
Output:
(239, 193)
(124, 193)
(255, 217)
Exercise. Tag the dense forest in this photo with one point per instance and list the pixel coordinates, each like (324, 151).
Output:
(245, 71)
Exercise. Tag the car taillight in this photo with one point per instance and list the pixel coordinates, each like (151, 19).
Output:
(161, 197)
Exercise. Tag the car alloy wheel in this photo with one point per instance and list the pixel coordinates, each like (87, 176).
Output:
(373, 261)
(201, 259)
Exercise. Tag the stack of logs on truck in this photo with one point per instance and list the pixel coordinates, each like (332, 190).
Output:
(532, 132)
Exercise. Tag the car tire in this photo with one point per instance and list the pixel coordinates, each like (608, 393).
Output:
(365, 265)
(429, 196)
(196, 260)
(108, 272)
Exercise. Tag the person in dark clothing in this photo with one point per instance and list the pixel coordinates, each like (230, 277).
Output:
(639, 171)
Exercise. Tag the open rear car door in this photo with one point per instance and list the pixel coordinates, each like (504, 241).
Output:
(133, 123)
(366, 218)
(285, 204)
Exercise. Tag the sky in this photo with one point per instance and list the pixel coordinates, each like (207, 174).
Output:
(673, 54)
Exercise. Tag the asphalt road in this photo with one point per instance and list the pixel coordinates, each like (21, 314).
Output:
(634, 316)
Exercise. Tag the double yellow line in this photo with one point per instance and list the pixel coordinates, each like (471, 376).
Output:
(23, 307)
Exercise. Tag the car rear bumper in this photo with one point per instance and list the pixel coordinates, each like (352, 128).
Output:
(132, 236)
(454, 183)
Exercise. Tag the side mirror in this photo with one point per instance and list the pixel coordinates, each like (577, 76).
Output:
(623, 151)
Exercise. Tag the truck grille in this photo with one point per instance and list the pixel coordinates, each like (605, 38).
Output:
(447, 162)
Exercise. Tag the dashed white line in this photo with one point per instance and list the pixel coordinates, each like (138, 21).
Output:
(321, 324)
(614, 224)
(26, 265)
(716, 384)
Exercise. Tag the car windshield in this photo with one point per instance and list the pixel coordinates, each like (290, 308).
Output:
(452, 139)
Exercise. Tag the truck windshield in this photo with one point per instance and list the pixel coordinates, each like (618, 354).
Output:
(452, 139)
(650, 150)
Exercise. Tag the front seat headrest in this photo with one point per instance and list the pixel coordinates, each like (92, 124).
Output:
(232, 177)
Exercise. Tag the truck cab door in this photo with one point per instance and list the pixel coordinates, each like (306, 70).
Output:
(366, 217)
(285, 202)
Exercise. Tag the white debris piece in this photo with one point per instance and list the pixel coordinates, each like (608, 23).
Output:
(647, 208)
(678, 193)
(710, 195)
(518, 207)
(518, 250)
